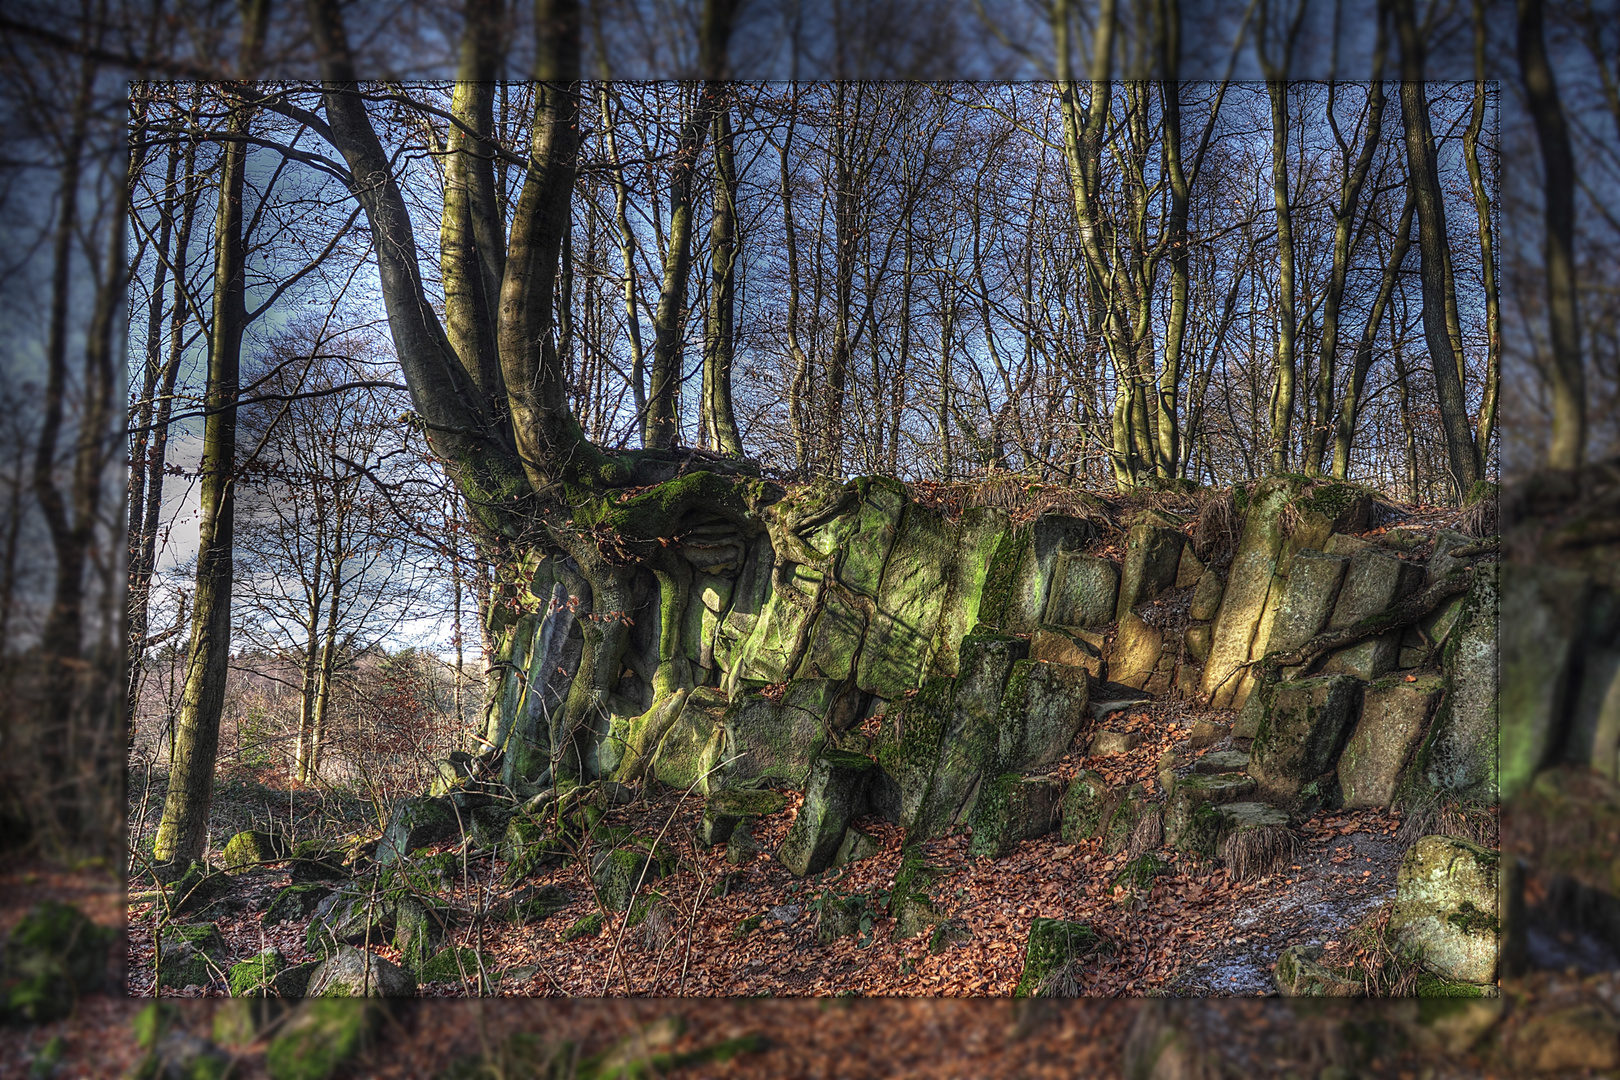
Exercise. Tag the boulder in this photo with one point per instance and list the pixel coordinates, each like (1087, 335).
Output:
(1042, 709)
(1206, 597)
(352, 973)
(1082, 649)
(454, 965)
(1301, 728)
(618, 872)
(1594, 735)
(1113, 743)
(1394, 716)
(1190, 569)
(1459, 757)
(1123, 818)
(726, 807)
(1085, 806)
(1011, 808)
(315, 860)
(1249, 586)
(256, 976)
(54, 954)
(295, 902)
(1308, 601)
(1020, 570)
(1199, 639)
(1373, 582)
(251, 847)
(193, 955)
(1188, 826)
(350, 916)
(911, 901)
(857, 845)
(537, 902)
(414, 824)
(1445, 908)
(320, 1038)
(769, 741)
(1221, 761)
(686, 756)
(419, 930)
(1053, 945)
(1298, 974)
(1152, 560)
(742, 846)
(1084, 592)
(834, 793)
(1136, 652)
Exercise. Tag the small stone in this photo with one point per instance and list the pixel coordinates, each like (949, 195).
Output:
(1221, 761)
(1111, 743)
(856, 846)
(1207, 733)
(1298, 974)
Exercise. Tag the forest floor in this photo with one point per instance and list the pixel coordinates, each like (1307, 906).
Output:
(751, 930)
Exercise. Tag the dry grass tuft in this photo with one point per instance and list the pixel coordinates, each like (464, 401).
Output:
(1147, 834)
(1217, 531)
(1255, 852)
(1482, 519)
(1467, 821)
(1384, 970)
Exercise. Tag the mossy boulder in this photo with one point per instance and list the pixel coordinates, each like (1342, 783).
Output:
(1137, 651)
(351, 972)
(856, 846)
(256, 976)
(1137, 875)
(54, 954)
(1122, 819)
(1206, 597)
(1299, 973)
(320, 1038)
(1374, 582)
(1042, 708)
(251, 847)
(1395, 716)
(1053, 945)
(728, 806)
(1249, 585)
(620, 871)
(1301, 727)
(350, 916)
(295, 902)
(1085, 806)
(1084, 592)
(773, 742)
(687, 754)
(911, 900)
(1011, 808)
(1308, 600)
(415, 823)
(1187, 825)
(420, 926)
(315, 860)
(536, 903)
(1152, 559)
(453, 965)
(194, 890)
(585, 926)
(193, 955)
(834, 793)
(1445, 908)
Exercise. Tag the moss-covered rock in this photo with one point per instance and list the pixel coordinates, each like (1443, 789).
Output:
(910, 599)
(1122, 819)
(1445, 908)
(1299, 973)
(54, 954)
(320, 1039)
(454, 965)
(856, 846)
(420, 926)
(415, 823)
(585, 926)
(193, 955)
(773, 742)
(1308, 601)
(1011, 808)
(351, 972)
(1053, 945)
(1459, 756)
(350, 916)
(911, 900)
(726, 807)
(1042, 708)
(1138, 874)
(687, 755)
(295, 902)
(256, 976)
(620, 871)
(1084, 592)
(1300, 731)
(534, 903)
(834, 793)
(1395, 715)
(316, 860)
(1249, 585)
(1085, 806)
(251, 847)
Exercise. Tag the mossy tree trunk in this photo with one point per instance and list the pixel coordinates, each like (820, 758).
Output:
(183, 829)
(489, 385)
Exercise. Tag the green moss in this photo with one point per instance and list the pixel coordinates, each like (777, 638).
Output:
(1433, 986)
(449, 964)
(1140, 872)
(585, 926)
(325, 1034)
(747, 926)
(996, 597)
(253, 977)
(1471, 920)
(1053, 943)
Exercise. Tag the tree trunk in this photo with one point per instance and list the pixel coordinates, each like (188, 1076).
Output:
(1485, 426)
(719, 419)
(183, 830)
(1567, 447)
(1439, 298)
(1349, 406)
